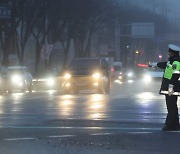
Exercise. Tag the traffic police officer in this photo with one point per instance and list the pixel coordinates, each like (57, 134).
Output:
(170, 87)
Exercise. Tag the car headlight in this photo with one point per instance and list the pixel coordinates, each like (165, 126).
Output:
(50, 82)
(67, 76)
(96, 75)
(147, 78)
(120, 77)
(16, 78)
(130, 74)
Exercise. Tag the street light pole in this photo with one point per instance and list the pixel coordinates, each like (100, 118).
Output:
(46, 43)
(117, 40)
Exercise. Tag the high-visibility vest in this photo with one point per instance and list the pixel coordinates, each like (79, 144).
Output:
(168, 71)
(171, 69)
(176, 67)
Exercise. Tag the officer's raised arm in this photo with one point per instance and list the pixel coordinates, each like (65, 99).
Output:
(162, 65)
(170, 87)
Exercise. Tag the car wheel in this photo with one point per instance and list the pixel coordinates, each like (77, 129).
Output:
(30, 89)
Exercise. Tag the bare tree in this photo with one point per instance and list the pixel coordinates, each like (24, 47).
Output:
(9, 27)
(95, 15)
(28, 17)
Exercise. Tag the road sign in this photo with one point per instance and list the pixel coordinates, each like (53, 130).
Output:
(5, 11)
(142, 30)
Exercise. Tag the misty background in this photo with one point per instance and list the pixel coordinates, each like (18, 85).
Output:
(47, 34)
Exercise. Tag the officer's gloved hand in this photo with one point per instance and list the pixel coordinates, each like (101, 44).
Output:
(170, 89)
(153, 65)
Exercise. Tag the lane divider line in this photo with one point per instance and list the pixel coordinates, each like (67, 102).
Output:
(86, 128)
(139, 132)
(18, 139)
(101, 134)
(61, 136)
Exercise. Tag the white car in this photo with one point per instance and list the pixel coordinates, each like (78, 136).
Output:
(152, 76)
(19, 78)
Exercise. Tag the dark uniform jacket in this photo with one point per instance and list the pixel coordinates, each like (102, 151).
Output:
(174, 80)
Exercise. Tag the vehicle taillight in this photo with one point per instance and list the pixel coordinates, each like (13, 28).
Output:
(112, 69)
(142, 65)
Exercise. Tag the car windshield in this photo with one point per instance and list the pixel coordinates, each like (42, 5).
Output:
(84, 64)
(18, 70)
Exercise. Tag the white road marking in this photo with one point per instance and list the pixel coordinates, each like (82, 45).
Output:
(102, 134)
(139, 132)
(18, 139)
(86, 128)
(61, 136)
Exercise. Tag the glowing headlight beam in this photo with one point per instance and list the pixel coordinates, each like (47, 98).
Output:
(96, 75)
(50, 82)
(67, 76)
(147, 78)
(130, 74)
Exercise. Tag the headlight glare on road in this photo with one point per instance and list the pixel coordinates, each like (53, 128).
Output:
(147, 78)
(67, 85)
(50, 82)
(96, 75)
(120, 77)
(67, 76)
(95, 84)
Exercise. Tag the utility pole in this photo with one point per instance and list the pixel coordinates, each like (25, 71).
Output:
(117, 40)
(5, 15)
(46, 43)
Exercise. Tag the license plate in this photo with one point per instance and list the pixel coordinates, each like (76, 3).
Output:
(81, 84)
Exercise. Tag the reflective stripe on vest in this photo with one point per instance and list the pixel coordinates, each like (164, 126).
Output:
(166, 92)
(168, 71)
(176, 72)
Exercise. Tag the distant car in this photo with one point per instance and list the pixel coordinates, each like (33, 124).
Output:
(118, 71)
(87, 73)
(19, 78)
(129, 74)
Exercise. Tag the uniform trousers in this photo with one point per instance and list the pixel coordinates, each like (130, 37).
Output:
(172, 119)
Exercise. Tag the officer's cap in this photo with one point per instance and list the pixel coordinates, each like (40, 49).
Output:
(174, 48)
